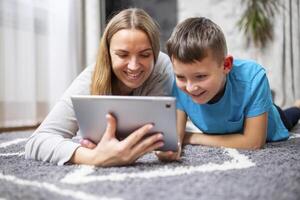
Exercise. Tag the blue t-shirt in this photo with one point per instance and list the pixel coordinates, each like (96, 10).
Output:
(247, 94)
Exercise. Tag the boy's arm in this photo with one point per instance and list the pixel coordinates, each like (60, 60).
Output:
(253, 137)
(181, 123)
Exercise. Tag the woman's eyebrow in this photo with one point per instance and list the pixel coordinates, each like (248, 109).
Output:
(148, 49)
(123, 50)
(120, 50)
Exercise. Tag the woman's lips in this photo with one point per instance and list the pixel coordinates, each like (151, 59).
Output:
(134, 76)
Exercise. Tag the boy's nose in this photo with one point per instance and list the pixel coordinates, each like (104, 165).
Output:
(192, 87)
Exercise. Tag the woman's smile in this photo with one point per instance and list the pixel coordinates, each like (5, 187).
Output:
(134, 75)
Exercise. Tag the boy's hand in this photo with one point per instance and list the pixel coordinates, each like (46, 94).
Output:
(169, 155)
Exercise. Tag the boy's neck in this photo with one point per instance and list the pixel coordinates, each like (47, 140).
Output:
(218, 96)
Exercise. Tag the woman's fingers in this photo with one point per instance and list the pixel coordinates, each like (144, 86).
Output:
(148, 144)
(152, 148)
(87, 144)
(137, 135)
(111, 127)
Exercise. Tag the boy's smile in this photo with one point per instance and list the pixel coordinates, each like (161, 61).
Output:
(202, 80)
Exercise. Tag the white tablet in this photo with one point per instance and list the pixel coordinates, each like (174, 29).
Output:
(132, 112)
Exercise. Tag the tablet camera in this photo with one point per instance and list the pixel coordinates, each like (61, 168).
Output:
(168, 105)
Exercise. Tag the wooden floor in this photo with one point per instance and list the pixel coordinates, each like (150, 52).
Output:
(21, 128)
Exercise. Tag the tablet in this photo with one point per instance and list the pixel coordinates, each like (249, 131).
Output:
(131, 112)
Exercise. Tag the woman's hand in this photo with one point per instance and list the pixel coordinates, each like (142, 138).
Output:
(87, 143)
(112, 152)
(169, 155)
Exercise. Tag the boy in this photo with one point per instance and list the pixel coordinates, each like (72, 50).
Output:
(228, 99)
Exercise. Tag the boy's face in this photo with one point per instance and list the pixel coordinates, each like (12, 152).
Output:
(202, 80)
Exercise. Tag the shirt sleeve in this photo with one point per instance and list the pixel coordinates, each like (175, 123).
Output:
(260, 99)
(52, 141)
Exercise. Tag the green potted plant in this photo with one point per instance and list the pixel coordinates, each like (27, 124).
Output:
(257, 21)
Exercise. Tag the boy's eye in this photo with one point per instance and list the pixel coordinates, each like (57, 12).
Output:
(201, 76)
(179, 77)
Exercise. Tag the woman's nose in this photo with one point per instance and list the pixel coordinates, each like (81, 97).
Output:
(133, 63)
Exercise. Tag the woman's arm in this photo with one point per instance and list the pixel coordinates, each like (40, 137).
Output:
(253, 136)
(52, 142)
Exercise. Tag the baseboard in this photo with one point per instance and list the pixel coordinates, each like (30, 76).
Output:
(20, 128)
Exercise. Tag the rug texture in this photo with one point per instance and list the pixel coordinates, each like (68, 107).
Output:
(203, 173)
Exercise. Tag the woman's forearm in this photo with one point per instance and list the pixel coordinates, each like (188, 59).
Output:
(82, 155)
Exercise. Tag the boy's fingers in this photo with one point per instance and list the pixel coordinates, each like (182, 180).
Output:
(161, 156)
(167, 156)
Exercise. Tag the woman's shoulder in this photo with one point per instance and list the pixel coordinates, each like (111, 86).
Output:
(81, 84)
(161, 79)
(163, 64)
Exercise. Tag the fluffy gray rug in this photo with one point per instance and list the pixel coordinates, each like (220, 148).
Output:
(204, 173)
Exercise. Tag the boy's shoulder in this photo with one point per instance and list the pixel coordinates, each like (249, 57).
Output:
(246, 70)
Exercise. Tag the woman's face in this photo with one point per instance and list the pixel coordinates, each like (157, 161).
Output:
(131, 57)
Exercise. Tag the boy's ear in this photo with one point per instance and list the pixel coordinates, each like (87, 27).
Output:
(228, 63)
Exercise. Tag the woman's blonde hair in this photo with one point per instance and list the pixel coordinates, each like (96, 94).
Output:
(132, 18)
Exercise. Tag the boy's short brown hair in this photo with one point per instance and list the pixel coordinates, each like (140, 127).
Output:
(193, 38)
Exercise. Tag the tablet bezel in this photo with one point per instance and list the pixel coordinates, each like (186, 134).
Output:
(90, 111)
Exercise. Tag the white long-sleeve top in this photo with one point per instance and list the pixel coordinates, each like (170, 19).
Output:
(52, 140)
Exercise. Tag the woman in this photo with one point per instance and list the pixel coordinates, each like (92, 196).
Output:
(128, 63)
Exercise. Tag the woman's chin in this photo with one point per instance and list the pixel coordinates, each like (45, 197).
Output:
(134, 85)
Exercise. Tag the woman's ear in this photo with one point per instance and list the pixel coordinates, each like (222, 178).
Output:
(228, 63)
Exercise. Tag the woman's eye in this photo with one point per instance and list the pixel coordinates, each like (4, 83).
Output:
(122, 55)
(145, 55)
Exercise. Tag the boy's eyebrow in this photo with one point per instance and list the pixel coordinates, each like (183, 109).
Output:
(178, 74)
(194, 74)
(200, 73)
